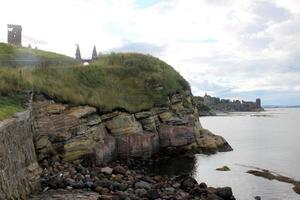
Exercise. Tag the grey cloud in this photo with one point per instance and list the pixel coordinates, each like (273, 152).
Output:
(140, 47)
(270, 11)
(33, 40)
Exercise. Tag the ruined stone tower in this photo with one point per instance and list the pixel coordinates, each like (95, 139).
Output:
(258, 103)
(14, 34)
(78, 54)
(94, 55)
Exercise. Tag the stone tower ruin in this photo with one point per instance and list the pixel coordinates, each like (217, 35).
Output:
(14, 34)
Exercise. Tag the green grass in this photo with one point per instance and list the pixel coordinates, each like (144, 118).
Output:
(10, 105)
(11, 55)
(131, 82)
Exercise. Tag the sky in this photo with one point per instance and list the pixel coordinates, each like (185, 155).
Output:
(236, 49)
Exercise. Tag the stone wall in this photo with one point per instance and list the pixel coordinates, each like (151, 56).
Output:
(74, 132)
(19, 170)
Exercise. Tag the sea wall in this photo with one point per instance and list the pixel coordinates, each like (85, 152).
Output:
(66, 132)
(19, 170)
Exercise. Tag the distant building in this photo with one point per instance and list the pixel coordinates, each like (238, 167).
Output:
(14, 34)
(78, 54)
(86, 60)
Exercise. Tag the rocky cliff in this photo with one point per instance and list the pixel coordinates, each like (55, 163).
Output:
(19, 169)
(70, 132)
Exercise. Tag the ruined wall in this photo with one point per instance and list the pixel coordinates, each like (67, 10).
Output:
(19, 170)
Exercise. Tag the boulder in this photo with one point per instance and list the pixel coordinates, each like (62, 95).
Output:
(142, 185)
(176, 136)
(210, 143)
(78, 147)
(225, 193)
(124, 124)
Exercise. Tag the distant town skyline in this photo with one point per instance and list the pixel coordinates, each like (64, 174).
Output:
(227, 48)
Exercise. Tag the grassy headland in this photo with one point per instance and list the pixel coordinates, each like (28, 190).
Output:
(11, 55)
(127, 81)
(10, 104)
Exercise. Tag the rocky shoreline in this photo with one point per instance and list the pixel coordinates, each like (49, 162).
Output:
(119, 180)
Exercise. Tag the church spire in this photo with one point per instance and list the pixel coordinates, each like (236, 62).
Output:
(78, 54)
(94, 55)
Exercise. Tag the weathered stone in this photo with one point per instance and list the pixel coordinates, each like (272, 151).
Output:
(211, 143)
(105, 151)
(176, 136)
(169, 117)
(153, 194)
(182, 196)
(137, 145)
(124, 124)
(143, 115)
(142, 185)
(225, 193)
(19, 170)
(107, 170)
(224, 168)
(55, 108)
(81, 111)
(188, 182)
(78, 147)
(119, 170)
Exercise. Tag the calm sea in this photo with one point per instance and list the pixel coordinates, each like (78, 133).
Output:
(269, 140)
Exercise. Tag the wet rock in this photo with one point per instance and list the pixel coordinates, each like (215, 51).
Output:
(153, 194)
(107, 170)
(225, 193)
(224, 168)
(188, 182)
(203, 185)
(296, 188)
(142, 185)
(210, 143)
(170, 190)
(119, 170)
(213, 197)
(182, 196)
(141, 192)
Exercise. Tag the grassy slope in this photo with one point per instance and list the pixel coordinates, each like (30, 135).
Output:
(15, 56)
(132, 82)
(9, 105)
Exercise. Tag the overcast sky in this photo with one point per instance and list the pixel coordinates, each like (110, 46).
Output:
(237, 49)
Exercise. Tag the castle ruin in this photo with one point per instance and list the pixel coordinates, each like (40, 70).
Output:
(14, 34)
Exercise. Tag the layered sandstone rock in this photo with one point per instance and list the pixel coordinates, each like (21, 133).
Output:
(73, 132)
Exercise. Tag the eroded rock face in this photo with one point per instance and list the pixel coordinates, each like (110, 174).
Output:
(176, 136)
(19, 170)
(70, 133)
